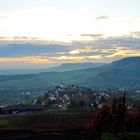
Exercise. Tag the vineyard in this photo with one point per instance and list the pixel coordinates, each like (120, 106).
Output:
(60, 123)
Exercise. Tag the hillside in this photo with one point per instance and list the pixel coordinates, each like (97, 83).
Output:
(119, 73)
(74, 66)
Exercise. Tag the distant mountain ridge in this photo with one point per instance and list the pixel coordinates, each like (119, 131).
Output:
(21, 71)
(74, 66)
(124, 72)
(60, 68)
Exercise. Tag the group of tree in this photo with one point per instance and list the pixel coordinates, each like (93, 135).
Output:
(77, 104)
(115, 119)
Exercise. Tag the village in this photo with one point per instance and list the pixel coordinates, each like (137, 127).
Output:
(70, 97)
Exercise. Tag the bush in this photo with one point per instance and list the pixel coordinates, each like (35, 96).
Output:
(109, 136)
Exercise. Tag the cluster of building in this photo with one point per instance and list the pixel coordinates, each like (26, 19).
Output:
(64, 97)
(61, 97)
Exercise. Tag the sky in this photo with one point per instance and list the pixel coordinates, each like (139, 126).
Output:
(45, 33)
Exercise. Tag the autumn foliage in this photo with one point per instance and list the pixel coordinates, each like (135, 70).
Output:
(114, 119)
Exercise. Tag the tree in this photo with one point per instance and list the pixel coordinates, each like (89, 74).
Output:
(81, 103)
(109, 119)
(1, 111)
(73, 104)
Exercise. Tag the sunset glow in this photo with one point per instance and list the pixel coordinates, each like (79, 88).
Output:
(53, 32)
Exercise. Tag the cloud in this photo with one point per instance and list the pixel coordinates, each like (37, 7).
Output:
(124, 52)
(98, 57)
(110, 49)
(134, 34)
(83, 50)
(68, 58)
(101, 50)
(23, 50)
(101, 18)
(92, 35)
(29, 59)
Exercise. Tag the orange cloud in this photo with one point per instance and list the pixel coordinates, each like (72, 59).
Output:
(121, 51)
(99, 57)
(35, 59)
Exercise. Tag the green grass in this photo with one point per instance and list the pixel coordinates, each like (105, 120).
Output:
(133, 136)
(109, 136)
(128, 136)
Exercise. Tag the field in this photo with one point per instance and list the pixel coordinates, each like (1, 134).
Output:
(44, 123)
